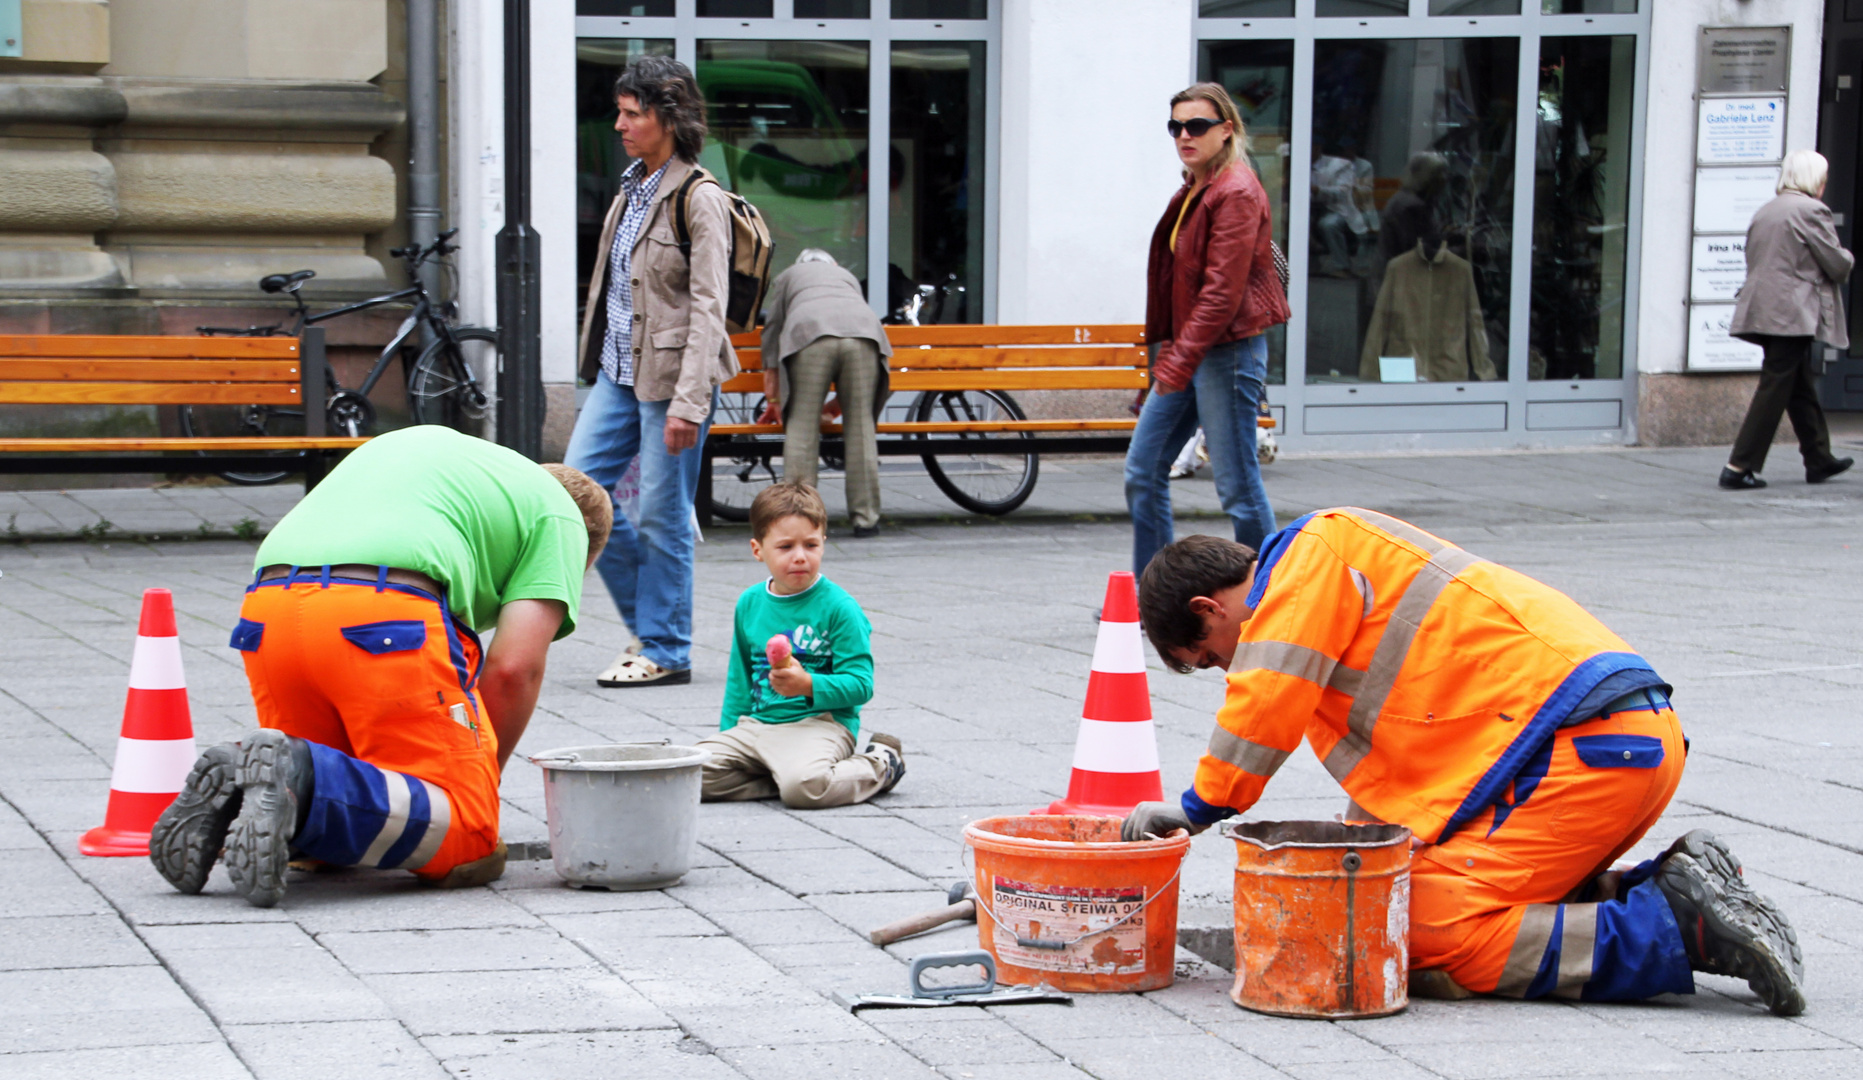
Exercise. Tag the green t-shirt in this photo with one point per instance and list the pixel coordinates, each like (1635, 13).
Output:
(481, 519)
(827, 632)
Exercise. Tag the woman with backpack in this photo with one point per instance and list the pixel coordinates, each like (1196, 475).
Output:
(1212, 291)
(655, 346)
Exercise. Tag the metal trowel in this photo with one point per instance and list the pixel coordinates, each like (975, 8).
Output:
(935, 997)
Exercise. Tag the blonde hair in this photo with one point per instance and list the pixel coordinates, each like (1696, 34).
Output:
(1225, 107)
(597, 506)
(1804, 171)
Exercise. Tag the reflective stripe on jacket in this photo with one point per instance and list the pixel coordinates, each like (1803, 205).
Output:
(1423, 677)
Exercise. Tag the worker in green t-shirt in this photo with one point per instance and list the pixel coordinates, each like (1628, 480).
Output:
(383, 724)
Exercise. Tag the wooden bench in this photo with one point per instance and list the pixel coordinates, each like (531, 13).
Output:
(69, 369)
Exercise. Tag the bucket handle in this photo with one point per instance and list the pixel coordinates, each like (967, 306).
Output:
(574, 758)
(1055, 945)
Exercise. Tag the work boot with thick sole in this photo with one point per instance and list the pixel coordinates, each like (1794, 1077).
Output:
(275, 781)
(187, 838)
(1726, 932)
(1716, 858)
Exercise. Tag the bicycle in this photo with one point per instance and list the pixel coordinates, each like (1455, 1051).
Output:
(441, 386)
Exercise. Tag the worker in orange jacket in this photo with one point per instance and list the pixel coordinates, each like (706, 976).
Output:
(1524, 745)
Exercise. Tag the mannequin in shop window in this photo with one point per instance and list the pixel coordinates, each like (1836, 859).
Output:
(1427, 325)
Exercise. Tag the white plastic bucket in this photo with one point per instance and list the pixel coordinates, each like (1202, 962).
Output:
(622, 816)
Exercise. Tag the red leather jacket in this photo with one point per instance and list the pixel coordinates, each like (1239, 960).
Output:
(1220, 284)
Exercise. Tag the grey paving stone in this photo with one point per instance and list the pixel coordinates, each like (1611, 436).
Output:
(594, 1055)
(258, 973)
(195, 1061)
(730, 888)
(69, 941)
(500, 949)
(361, 1049)
(500, 1002)
(819, 1060)
(1022, 1070)
(809, 871)
(1145, 1056)
(393, 900)
(942, 1043)
(648, 922)
(38, 882)
(139, 893)
(86, 1008)
(1094, 1015)
(775, 1025)
(1592, 1055)
(1391, 1066)
(802, 927)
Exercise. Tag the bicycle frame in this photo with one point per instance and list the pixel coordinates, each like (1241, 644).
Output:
(423, 308)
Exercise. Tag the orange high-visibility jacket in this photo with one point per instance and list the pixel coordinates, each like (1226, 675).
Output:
(1423, 677)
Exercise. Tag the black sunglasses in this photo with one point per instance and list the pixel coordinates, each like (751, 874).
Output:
(1198, 128)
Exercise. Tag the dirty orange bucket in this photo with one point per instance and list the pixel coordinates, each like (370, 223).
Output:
(1062, 902)
(1322, 918)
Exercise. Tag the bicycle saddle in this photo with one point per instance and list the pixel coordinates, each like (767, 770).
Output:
(274, 283)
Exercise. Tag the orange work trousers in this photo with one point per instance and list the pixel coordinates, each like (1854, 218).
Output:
(1492, 904)
(379, 678)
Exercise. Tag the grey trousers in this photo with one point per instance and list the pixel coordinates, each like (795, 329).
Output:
(809, 764)
(853, 366)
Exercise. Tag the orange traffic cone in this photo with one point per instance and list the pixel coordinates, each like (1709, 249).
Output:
(1116, 755)
(157, 746)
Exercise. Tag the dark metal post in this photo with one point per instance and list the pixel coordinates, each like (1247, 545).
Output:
(520, 287)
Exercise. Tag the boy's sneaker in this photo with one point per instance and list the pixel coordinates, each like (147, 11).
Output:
(1734, 932)
(187, 838)
(894, 752)
(275, 778)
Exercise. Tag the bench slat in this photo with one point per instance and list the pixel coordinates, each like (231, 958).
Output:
(955, 359)
(98, 446)
(973, 334)
(138, 347)
(128, 393)
(279, 371)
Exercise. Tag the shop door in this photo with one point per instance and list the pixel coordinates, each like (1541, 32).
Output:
(1842, 386)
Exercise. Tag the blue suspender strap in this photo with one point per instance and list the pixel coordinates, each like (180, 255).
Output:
(381, 578)
(256, 575)
(291, 578)
(325, 579)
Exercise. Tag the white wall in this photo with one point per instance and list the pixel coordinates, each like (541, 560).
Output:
(1086, 164)
(1669, 150)
(553, 178)
(476, 112)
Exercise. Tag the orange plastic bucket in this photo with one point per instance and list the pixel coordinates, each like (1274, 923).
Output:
(1061, 902)
(1322, 918)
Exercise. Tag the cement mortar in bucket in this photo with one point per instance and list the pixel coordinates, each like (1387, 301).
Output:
(622, 816)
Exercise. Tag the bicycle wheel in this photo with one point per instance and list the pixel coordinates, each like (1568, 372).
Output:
(745, 465)
(983, 483)
(221, 421)
(442, 387)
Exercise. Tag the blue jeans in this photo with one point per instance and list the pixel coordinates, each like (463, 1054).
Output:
(1224, 398)
(648, 570)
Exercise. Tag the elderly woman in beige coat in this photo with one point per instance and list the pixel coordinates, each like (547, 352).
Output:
(1792, 298)
(819, 330)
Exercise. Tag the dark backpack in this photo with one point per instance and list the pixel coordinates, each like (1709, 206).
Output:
(749, 276)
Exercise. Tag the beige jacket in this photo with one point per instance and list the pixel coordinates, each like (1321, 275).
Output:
(1428, 308)
(811, 301)
(1795, 270)
(681, 350)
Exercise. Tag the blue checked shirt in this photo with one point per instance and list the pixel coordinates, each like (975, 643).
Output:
(618, 347)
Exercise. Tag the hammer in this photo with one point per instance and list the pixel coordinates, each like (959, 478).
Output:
(961, 907)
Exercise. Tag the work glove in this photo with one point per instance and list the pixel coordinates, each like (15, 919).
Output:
(1159, 819)
(1171, 374)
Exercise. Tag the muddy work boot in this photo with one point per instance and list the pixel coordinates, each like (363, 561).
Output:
(1716, 858)
(276, 786)
(893, 752)
(1734, 932)
(187, 838)
(482, 871)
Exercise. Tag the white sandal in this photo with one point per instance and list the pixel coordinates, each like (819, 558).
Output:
(632, 669)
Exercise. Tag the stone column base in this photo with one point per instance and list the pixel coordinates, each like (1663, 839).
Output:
(1695, 409)
(559, 419)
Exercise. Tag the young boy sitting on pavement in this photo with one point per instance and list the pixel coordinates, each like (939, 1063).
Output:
(790, 730)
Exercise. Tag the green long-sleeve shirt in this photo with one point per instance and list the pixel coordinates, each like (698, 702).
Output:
(830, 636)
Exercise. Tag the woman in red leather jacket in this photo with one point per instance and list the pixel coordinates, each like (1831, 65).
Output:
(1211, 292)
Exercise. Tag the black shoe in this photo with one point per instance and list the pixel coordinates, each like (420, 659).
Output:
(1728, 933)
(1819, 476)
(862, 532)
(187, 838)
(1716, 858)
(275, 778)
(1737, 481)
(895, 753)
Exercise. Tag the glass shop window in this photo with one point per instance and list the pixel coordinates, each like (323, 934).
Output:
(1474, 7)
(1581, 199)
(941, 9)
(1410, 242)
(1259, 76)
(737, 9)
(789, 132)
(1363, 8)
(1245, 9)
(599, 159)
(624, 8)
(936, 171)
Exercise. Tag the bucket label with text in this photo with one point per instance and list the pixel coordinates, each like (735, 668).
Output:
(1081, 919)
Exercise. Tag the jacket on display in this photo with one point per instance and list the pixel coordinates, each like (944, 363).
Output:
(1795, 270)
(1220, 284)
(1428, 309)
(1426, 679)
(814, 300)
(681, 350)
